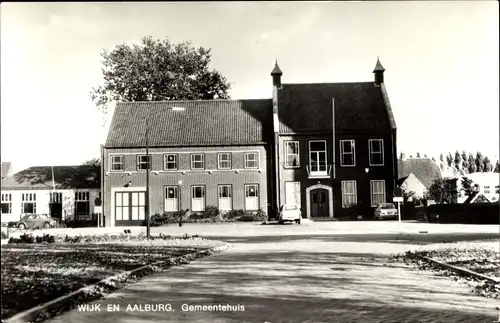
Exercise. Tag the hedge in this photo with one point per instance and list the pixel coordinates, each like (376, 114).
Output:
(477, 213)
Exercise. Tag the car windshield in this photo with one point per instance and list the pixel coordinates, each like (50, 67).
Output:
(387, 206)
(290, 207)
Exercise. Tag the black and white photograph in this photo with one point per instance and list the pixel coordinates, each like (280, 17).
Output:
(259, 162)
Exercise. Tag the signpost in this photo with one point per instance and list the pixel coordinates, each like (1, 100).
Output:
(98, 211)
(398, 198)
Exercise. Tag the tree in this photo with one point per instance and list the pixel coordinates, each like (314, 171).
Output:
(497, 167)
(465, 162)
(93, 162)
(479, 162)
(449, 160)
(441, 157)
(443, 191)
(468, 187)
(487, 166)
(433, 159)
(457, 160)
(472, 163)
(158, 70)
(418, 155)
(401, 155)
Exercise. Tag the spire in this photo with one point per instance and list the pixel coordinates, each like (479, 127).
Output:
(276, 70)
(378, 66)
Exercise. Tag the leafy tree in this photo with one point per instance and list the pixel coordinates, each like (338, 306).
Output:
(418, 155)
(93, 162)
(401, 155)
(497, 167)
(472, 163)
(465, 162)
(449, 160)
(479, 162)
(441, 157)
(468, 187)
(457, 160)
(487, 166)
(158, 70)
(443, 191)
(433, 159)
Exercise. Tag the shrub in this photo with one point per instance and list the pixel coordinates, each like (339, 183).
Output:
(46, 238)
(234, 214)
(4, 235)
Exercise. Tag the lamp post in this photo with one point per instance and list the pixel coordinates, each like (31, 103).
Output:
(148, 166)
(180, 203)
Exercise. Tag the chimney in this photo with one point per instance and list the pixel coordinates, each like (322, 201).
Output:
(276, 74)
(379, 73)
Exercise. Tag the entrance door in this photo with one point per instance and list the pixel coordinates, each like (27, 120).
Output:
(171, 199)
(55, 205)
(129, 208)
(319, 203)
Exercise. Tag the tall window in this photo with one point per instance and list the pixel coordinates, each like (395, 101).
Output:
(225, 193)
(170, 162)
(6, 203)
(130, 206)
(138, 206)
(317, 156)
(143, 161)
(197, 161)
(82, 203)
(224, 160)
(292, 154)
(376, 152)
(377, 191)
(117, 163)
(171, 198)
(251, 160)
(28, 204)
(347, 153)
(349, 194)
(251, 197)
(198, 198)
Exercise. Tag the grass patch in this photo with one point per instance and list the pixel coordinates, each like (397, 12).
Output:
(33, 274)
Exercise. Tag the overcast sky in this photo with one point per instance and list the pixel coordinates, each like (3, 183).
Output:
(441, 61)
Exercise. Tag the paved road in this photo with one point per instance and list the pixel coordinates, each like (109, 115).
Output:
(299, 280)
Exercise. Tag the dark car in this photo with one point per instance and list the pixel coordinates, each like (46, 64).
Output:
(36, 221)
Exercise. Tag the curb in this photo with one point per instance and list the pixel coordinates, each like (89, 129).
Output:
(96, 291)
(457, 269)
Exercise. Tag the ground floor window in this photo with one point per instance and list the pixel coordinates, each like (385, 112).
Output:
(349, 194)
(130, 206)
(171, 198)
(197, 198)
(251, 197)
(6, 203)
(292, 193)
(82, 204)
(377, 192)
(28, 204)
(225, 193)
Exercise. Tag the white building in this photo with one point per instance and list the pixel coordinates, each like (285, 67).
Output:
(488, 184)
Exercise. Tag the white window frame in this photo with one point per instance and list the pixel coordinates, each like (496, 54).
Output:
(166, 162)
(230, 197)
(344, 152)
(137, 205)
(193, 198)
(373, 193)
(82, 197)
(202, 161)
(316, 172)
(228, 160)
(140, 162)
(7, 199)
(346, 193)
(176, 198)
(371, 152)
(288, 186)
(55, 197)
(296, 155)
(112, 163)
(28, 198)
(257, 197)
(247, 160)
(486, 189)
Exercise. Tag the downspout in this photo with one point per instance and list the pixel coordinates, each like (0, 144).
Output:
(100, 221)
(276, 145)
(333, 156)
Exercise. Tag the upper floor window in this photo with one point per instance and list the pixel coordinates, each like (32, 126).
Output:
(347, 153)
(6, 203)
(487, 189)
(224, 160)
(143, 161)
(170, 161)
(251, 160)
(292, 154)
(197, 161)
(117, 163)
(317, 156)
(376, 152)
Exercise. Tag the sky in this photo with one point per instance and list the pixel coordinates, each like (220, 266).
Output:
(441, 61)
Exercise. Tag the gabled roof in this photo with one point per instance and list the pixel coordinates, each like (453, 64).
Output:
(65, 177)
(6, 169)
(202, 123)
(359, 106)
(477, 198)
(423, 168)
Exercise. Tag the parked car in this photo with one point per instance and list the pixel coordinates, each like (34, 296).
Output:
(36, 221)
(290, 213)
(386, 211)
